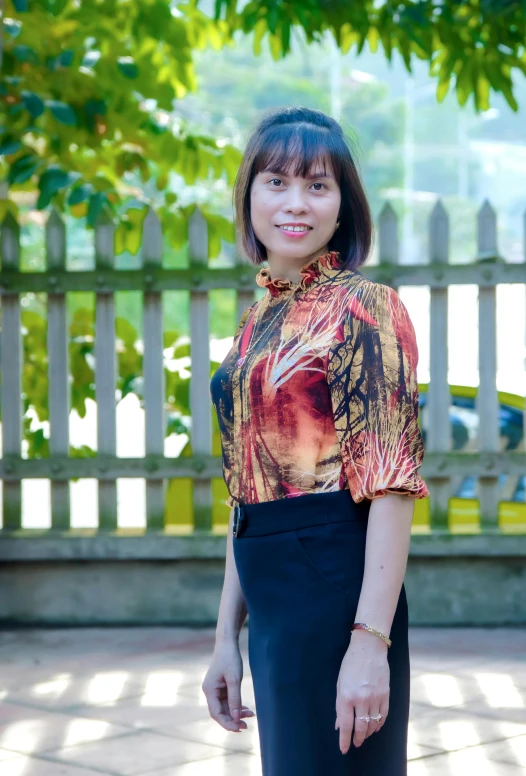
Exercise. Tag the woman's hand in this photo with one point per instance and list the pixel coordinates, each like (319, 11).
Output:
(222, 687)
(363, 688)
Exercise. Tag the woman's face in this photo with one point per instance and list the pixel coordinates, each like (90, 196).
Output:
(278, 201)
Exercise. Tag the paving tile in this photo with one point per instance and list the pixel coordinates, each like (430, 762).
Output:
(416, 751)
(468, 762)
(444, 689)
(211, 732)
(511, 751)
(137, 753)
(452, 729)
(29, 766)
(229, 765)
(149, 711)
(34, 733)
(64, 691)
(482, 709)
(7, 755)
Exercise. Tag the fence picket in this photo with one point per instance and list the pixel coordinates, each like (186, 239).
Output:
(438, 425)
(11, 354)
(105, 369)
(200, 403)
(153, 370)
(388, 244)
(487, 398)
(57, 343)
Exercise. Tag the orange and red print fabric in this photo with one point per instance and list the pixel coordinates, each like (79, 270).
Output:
(319, 391)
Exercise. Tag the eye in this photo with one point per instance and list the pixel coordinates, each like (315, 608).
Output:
(274, 179)
(318, 183)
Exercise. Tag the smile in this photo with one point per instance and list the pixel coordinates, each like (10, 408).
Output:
(295, 228)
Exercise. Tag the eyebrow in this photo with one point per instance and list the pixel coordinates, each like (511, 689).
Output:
(309, 177)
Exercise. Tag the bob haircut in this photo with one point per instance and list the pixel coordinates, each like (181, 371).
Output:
(294, 140)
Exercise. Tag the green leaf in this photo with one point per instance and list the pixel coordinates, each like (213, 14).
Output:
(273, 18)
(52, 180)
(33, 103)
(13, 27)
(464, 83)
(127, 67)
(442, 90)
(9, 145)
(62, 112)
(22, 170)
(25, 54)
(96, 202)
(80, 194)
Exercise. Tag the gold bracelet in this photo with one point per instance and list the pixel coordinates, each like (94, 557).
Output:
(363, 626)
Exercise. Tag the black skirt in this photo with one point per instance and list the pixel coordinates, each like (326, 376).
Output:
(300, 563)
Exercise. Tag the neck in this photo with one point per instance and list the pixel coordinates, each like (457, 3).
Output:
(290, 269)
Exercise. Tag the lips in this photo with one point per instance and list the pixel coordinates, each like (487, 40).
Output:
(294, 227)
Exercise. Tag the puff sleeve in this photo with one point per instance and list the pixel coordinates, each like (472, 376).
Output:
(371, 372)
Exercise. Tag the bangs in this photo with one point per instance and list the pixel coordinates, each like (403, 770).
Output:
(299, 150)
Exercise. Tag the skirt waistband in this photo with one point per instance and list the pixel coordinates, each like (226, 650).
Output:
(289, 514)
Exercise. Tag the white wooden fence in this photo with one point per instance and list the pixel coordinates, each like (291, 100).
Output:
(486, 270)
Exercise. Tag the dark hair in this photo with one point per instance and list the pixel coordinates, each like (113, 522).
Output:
(300, 137)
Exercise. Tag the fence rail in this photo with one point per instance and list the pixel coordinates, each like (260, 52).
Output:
(441, 465)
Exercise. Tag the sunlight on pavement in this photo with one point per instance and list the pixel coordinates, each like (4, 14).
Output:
(161, 688)
(54, 688)
(24, 736)
(442, 689)
(455, 734)
(106, 687)
(135, 706)
(81, 730)
(500, 691)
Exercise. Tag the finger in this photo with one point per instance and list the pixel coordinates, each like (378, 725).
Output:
(218, 709)
(384, 711)
(217, 713)
(373, 725)
(234, 699)
(360, 727)
(345, 726)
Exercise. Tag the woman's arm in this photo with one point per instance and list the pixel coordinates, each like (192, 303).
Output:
(222, 683)
(372, 377)
(232, 609)
(363, 683)
(386, 552)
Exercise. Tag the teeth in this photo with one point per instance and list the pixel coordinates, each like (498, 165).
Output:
(295, 228)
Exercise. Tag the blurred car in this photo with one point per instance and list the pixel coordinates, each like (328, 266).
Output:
(463, 503)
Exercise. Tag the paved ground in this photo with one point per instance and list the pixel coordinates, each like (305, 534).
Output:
(128, 702)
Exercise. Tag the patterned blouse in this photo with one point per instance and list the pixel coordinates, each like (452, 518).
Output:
(319, 390)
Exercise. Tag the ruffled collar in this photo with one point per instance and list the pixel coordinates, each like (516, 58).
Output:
(309, 273)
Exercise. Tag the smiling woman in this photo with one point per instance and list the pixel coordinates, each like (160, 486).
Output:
(317, 403)
(300, 171)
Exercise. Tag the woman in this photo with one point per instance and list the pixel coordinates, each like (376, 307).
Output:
(317, 404)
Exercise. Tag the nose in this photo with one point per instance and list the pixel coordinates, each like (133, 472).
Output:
(296, 200)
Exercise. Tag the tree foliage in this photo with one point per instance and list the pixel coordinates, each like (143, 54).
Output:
(474, 44)
(90, 92)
